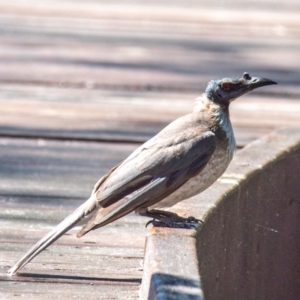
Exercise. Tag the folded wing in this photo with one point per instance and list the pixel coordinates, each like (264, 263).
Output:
(152, 172)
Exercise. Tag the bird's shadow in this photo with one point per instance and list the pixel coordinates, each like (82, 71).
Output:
(29, 277)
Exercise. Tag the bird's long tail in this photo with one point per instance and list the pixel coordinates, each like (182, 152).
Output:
(68, 223)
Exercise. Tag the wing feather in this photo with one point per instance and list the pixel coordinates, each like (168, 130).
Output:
(161, 156)
(174, 148)
(156, 190)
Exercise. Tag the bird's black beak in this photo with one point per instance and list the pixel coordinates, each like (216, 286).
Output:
(251, 83)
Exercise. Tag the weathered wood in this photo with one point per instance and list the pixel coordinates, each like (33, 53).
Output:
(60, 169)
(112, 75)
(41, 183)
(178, 46)
(126, 116)
(115, 71)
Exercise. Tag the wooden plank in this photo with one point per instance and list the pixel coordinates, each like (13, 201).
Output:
(54, 290)
(99, 115)
(62, 169)
(181, 47)
(41, 183)
(104, 76)
(86, 114)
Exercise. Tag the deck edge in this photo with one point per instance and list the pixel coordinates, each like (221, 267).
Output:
(173, 270)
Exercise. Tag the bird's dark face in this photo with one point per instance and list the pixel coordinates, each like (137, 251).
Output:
(223, 91)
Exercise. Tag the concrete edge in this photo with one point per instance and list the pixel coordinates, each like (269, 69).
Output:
(171, 266)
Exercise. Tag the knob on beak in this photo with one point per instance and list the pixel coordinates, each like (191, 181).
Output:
(252, 83)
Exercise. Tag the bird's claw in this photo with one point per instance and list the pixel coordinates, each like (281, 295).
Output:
(149, 222)
(174, 222)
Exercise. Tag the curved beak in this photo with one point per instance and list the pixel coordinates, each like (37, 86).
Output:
(256, 82)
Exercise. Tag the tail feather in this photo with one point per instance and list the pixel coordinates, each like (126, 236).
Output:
(68, 223)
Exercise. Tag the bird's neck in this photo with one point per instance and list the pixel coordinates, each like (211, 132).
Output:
(203, 104)
(218, 119)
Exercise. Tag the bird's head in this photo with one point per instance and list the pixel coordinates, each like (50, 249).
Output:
(223, 91)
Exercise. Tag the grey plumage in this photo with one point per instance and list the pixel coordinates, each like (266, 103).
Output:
(182, 160)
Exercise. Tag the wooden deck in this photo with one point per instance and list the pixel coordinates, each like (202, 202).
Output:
(82, 84)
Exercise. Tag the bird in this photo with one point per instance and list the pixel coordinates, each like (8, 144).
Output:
(182, 160)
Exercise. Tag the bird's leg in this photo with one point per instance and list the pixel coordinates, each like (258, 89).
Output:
(161, 218)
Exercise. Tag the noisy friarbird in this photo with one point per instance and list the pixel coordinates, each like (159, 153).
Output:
(182, 160)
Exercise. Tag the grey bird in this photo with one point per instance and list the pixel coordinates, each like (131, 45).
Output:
(182, 160)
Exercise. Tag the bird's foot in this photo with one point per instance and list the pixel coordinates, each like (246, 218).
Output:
(171, 220)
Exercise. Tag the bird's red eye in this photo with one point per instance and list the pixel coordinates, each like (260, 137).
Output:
(226, 86)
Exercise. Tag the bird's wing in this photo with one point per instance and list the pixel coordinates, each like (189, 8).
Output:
(155, 171)
(175, 148)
